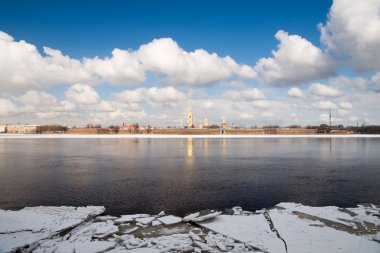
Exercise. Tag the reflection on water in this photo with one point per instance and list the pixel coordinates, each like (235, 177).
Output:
(189, 157)
(185, 175)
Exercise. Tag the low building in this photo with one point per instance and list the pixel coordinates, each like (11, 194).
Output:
(3, 128)
(23, 129)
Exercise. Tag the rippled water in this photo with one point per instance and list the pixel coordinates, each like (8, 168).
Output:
(184, 175)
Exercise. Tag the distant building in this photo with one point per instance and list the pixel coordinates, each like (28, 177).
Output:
(224, 123)
(3, 128)
(205, 123)
(23, 129)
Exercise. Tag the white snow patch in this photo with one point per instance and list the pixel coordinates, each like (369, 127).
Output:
(253, 230)
(31, 224)
(169, 219)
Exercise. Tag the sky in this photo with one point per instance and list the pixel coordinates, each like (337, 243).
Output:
(253, 63)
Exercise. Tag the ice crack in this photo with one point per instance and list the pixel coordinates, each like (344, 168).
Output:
(272, 227)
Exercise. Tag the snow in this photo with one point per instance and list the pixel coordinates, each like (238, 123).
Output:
(31, 224)
(206, 217)
(169, 219)
(288, 227)
(190, 217)
(145, 221)
(174, 136)
(131, 217)
(253, 230)
(301, 235)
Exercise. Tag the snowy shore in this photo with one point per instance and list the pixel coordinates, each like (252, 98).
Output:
(173, 136)
(287, 227)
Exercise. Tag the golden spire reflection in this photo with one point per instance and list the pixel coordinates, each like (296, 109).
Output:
(190, 158)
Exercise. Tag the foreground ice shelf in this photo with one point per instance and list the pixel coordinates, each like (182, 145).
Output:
(287, 227)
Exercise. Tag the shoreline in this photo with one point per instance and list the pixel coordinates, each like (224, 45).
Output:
(182, 136)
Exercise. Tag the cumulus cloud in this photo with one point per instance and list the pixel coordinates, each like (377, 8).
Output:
(122, 68)
(296, 92)
(164, 56)
(353, 30)
(296, 61)
(375, 81)
(38, 98)
(345, 105)
(324, 105)
(267, 115)
(7, 107)
(82, 94)
(324, 117)
(208, 105)
(244, 95)
(156, 96)
(323, 90)
(343, 82)
(343, 113)
(23, 67)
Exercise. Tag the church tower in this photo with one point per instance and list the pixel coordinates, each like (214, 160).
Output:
(190, 118)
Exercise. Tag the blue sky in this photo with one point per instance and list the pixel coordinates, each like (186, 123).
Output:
(313, 69)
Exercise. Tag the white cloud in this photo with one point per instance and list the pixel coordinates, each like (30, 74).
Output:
(38, 98)
(295, 61)
(324, 117)
(296, 92)
(82, 94)
(345, 105)
(343, 113)
(156, 96)
(267, 115)
(323, 90)
(246, 115)
(324, 105)
(262, 104)
(122, 68)
(353, 29)
(345, 83)
(22, 67)
(244, 95)
(164, 56)
(208, 105)
(375, 81)
(7, 107)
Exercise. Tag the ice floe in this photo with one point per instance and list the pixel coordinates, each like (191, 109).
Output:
(32, 224)
(287, 227)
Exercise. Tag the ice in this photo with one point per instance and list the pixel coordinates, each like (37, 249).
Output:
(253, 230)
(156, 223)
(105, 218)
(169, 219)
(190, 217)
(145, 221)
(302, 236)
(206, 217)
(288, 227)
(93, 246)
(130, 217)
(31, 224)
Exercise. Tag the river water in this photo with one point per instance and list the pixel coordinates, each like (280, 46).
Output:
(181, 175)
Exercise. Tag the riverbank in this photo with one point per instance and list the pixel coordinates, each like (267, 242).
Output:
(168, 136)
(287, 227)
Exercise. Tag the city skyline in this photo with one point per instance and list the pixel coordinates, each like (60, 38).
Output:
(254, 63)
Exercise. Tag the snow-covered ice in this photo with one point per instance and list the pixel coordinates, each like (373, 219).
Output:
(287, 227)
(170, 219)
(32, 224)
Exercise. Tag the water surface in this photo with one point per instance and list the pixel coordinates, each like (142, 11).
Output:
(185, 175)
